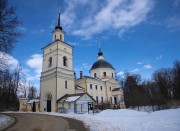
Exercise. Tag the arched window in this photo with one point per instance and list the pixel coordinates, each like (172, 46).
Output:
(60, 37)
(50, 62)
(65, 61)
(54, 37)
(104, 73)
(90, 86)
(95, 75)
(66, 84)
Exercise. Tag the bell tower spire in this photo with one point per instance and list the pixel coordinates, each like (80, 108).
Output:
(58, 33)
(58, 25)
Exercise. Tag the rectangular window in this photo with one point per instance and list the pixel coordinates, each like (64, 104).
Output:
(102, 99)
(104, 73)
(112, 75)
(60, 37)
(90, 86)
(94, 75)
(115, 100)
(66, 84)
(97, 99)
(110, 88)
(65, 61)
(101, 87)
(50, 62)
(96, 87)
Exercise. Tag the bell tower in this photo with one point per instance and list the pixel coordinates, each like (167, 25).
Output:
(58, 33)
(57, 77)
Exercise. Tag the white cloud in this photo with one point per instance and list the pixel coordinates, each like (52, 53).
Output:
(139, 63)
(41, 30)
(147, 66)
(84, 66)
(173, 23)
(135, 70)
(35, 62)
(99, 16)
(11, 61)
(176, 3)
(159, 57)
(22, 28)
(120, 74)
(73, 43)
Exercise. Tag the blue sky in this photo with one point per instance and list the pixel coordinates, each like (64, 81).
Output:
(138, 36)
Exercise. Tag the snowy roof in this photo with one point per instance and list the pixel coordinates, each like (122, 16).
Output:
(33, 100)
(72, 98)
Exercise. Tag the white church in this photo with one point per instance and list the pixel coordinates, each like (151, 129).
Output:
(59, 88)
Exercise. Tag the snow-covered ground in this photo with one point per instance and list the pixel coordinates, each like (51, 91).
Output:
(129, 120)
(3, 120)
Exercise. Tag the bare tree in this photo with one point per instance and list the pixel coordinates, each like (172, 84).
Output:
(32, 91)
(176, 80)
(8, 27)
(9, 84)
(164, 81)
(24, 87)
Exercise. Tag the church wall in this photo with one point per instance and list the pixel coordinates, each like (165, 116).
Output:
(79, 91)
(110, 87)
(61, 90)
(66, 51)
(96, 92)
(105, 92)
(99, 72)
(64, 47)
(81, 83)
(51, 51)
(56, 35)
(48, 86)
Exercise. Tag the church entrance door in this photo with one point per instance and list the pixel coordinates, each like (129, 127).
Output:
(115, 100)
(48, 105)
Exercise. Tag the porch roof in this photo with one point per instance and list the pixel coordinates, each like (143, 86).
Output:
(72, 97)
(33, 100)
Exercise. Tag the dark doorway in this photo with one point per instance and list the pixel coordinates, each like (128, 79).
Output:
(48, 105)
(115, 100)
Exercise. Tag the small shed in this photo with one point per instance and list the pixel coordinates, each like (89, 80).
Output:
(77, 103)
(27, 105)
(30, 105)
